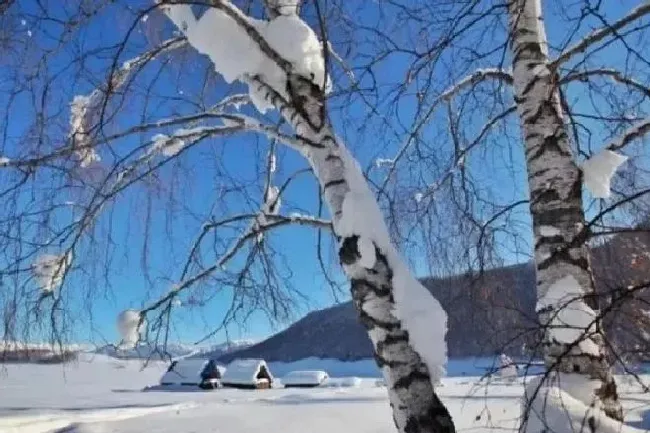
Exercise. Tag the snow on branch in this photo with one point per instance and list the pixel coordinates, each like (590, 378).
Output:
(274, 49)
(49, 270)
(635, 131)
(251, 124)
(475, 78)
(130, 325)
(384, 162)
(418, 310)
(85, 110)
(601, 33)
(282, 7)
(172, 145)
(600, 168)
(168, 146)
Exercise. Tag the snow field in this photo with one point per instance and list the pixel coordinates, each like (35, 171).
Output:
(103, 395)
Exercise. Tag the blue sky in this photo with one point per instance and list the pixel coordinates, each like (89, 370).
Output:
(165, 215)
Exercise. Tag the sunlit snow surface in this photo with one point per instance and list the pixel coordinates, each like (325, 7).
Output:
(106, 396)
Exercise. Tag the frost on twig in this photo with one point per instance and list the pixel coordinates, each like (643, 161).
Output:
(272, 204)
(172, 145)
(86, 110)
(601, 33)
(634, 132)
(273, 164)
(49, 269)
(80, 126)
(384, 162)
(476, 77)
(166, 145)
(271, 207)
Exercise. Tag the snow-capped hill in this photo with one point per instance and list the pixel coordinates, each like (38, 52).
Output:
(218, 350)
(176, 350)
(146, 351)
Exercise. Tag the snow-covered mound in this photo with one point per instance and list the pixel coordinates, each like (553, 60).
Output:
(554, 409)
(304, 378)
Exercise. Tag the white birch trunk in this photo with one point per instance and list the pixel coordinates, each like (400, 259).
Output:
(416, 407)
(555, 185)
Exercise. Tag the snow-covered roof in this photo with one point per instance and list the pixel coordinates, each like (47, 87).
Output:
(187, 371)
(307, 377)
(244, 371)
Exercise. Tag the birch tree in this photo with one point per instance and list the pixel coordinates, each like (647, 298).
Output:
(572, 126)
(137, 115)
(281, 63)
(396, 309)
(564, 276)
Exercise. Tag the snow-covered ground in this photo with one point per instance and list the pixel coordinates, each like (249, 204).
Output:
(103, 395)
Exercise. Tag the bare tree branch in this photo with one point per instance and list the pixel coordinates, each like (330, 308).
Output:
(601, 33)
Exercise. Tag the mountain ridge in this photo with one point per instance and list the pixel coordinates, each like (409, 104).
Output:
(492, 312)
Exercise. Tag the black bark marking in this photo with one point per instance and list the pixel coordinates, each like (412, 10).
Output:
(529, 86)
(306, 98)
(413, 376)
(377, 289)
(437, 420)
(402, 337)
(550, 144)
(348, 252)
(553, 216)
(545, 196)
(592, 424)
(564, 256)
(332, 183)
